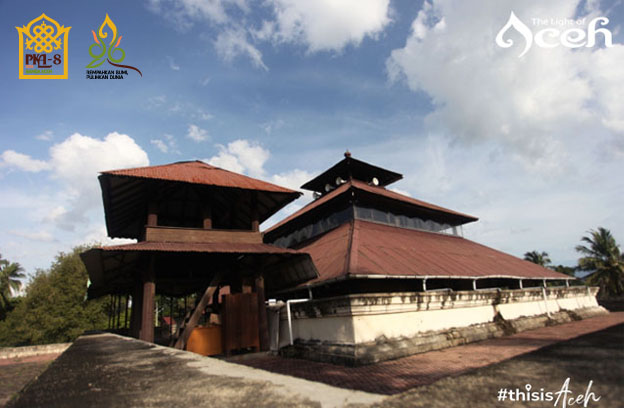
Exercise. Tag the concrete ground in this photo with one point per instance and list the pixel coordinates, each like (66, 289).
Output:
(596, 357)
(16, 372)
(110, 371)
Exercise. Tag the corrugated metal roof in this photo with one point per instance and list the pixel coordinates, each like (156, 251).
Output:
(359, 185)
(182, 267)
(202, 247)
(366, 248)
(198, 172)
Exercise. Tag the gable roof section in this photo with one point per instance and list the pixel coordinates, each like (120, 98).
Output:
(198, 172)
(361, 248)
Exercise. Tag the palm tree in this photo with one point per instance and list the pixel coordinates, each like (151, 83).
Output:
(540, 258)
(10, 275)
(602, 256)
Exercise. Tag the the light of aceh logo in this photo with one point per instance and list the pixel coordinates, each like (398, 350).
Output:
(43, 45)
(105, 50)
(551, 37)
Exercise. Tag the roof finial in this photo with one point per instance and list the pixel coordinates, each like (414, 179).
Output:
(347, 153)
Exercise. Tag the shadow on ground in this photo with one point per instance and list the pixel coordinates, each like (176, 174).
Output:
(597, 357)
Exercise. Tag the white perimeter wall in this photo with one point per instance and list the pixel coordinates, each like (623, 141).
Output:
(354, 319)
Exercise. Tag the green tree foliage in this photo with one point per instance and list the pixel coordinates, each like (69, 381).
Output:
(540, 258)
(11, 274)
(54, 308)
(568, 270)
(602, 256)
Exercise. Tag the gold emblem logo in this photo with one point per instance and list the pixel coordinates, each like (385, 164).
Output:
(43, 46)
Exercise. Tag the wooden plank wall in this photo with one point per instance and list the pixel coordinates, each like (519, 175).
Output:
(172, 234)
(240, 322)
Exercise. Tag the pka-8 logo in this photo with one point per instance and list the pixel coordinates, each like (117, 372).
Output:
(43, 45)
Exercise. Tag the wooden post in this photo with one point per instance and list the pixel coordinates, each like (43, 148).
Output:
(118, 310)
(263, 325)
(152, 214)
(126, 314)
(171, 319)
(255, 221)
(110, 313)
(197, 312)
(137, 309)
(147, 313)
(207, 216)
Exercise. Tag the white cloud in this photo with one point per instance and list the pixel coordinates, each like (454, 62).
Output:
(184, 13)
(160, 145)
(241, 156)
(320, 25)
(233, 42)
(166, 144)
(43, 236)
(11, 158)
(61, 206)
(398, 190)
(535, 105)
(45, 136)
(293, 179)
(76, 162)
(326, 25)
(197, 134)
(272, 125)
(172, 64)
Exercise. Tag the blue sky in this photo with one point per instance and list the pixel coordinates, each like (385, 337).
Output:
(279, 89)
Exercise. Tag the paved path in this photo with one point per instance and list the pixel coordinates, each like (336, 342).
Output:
(107, 370)
(15, 373)
(392, 377)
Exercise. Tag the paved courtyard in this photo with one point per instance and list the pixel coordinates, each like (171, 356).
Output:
(396, 376)
(15, 373)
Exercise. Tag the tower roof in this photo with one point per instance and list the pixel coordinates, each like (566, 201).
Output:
(357, 190)
(351, 169)
(127, 193)
(198, 172)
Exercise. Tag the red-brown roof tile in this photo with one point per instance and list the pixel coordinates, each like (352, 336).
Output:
(367, 248)
(198, 172)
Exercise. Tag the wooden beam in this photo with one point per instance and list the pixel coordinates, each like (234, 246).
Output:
(147, 315)
(197, 312)
(263, 324)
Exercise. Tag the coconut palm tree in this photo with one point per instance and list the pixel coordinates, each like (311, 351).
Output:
(10, 275)
(540, 258)
(602, 256)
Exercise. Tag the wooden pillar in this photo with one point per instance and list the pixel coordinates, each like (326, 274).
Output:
(110, 310)
(263, 324)
(137, 309)
(207, 216)
(152, 214)
(255, 219)
(147, 312)
(171, 319)
(126, 313)
(118, 311)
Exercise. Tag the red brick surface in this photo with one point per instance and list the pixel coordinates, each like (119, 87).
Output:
(392, 377)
